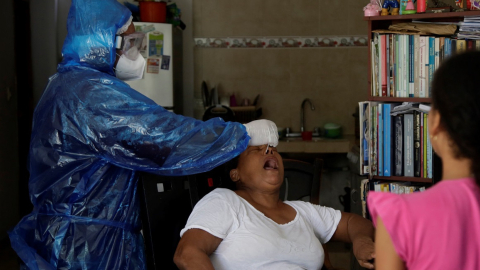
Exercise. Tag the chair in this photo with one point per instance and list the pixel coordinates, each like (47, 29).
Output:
(166, 203)
(301, 180)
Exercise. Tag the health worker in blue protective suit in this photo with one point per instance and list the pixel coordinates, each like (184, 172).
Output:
(91, 136)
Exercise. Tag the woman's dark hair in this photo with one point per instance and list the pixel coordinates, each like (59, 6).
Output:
(456, 96)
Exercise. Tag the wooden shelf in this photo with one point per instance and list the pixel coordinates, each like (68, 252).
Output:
(403, 179)
(396, 99)
(423, 16)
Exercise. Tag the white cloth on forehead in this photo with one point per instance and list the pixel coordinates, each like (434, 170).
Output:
(124, 28)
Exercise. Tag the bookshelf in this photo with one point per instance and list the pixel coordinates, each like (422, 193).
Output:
(382, 23)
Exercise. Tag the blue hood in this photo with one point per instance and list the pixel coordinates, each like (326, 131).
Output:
(90, 42)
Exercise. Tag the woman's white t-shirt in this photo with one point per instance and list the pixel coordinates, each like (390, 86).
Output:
(253, 241)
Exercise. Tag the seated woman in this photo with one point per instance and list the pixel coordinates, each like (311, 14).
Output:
(251, 228)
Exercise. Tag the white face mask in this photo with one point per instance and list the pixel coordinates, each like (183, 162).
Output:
(130, 70)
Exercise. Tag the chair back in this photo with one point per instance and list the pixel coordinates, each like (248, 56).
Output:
(301, 180)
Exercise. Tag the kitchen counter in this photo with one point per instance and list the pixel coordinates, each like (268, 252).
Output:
(316, 145)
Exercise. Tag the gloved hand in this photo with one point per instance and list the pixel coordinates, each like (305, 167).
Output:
(262, 132)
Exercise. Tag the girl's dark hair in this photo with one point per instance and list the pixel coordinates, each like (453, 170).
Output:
(456, 96)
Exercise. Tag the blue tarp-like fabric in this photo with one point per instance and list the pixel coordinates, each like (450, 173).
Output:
(91, 136)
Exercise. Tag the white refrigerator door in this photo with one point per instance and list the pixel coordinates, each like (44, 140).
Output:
(157, 81)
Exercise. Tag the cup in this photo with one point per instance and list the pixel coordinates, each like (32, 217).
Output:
(307, 135)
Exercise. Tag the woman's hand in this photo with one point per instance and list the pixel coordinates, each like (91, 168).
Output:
(359, 231)
(364, 251)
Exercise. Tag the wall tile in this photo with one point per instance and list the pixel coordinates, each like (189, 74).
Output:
(304, 69)
(356, 24)
(305, 19)
(197, 18)
(216, 18)
(332, 18)
(247, 16)
(276, 18)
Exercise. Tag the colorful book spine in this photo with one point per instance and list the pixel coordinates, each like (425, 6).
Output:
(425, 136)
(380, 139)
(453, 47)
(461, 45)
(429, 156)
(421, 145)
(437, 53)
(397, 66)
(411, 66)
(408, 144)
(387, 135)
(392, 65)
(431, 64)
(387, 66)
(416, 69)
(406, 66)
(446, 51)
(416, 144)
(398, 157)
(421, 69)
(383, 61)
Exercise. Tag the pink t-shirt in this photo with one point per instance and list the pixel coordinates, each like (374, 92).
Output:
(435, 229)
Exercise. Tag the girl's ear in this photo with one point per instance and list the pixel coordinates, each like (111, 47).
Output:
(234, 175)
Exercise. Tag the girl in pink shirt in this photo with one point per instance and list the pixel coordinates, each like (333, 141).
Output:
(439, 228)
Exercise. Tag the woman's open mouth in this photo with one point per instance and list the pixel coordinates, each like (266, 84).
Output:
(271, 164)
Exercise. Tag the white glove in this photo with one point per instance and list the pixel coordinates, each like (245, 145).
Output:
(262, 132)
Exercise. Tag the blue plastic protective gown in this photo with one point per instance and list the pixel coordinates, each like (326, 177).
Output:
(91, 136)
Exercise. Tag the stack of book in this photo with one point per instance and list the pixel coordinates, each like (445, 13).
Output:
(470, 29)
(394, 139)
(403, 64)
(393, 187)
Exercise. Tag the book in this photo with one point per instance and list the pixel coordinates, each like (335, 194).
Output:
(408, 144)
(387, 66)
(387, 135)
(372, 162)
(380, 139)
(477, 45)
(425, 136)
(376, 55)
(421, 145)
(470, 45)
(406, 65)
(437, 53)
(398, 146)
(431, 65)
(429, 156)
(411, 66)
(416, 69)
(373, 69)
(461, 45)
(397, 66)
(442, 49)
(392, 65)
(383, 61)
(363, 119)
(453, 47)
(446, 50)
(416, 143)
(421, 70)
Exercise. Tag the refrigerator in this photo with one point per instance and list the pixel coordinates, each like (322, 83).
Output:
(162, 78)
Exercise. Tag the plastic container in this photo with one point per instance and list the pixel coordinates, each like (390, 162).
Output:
(153, 11)
(332, 130)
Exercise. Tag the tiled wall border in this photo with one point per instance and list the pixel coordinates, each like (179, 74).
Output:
(281, 42)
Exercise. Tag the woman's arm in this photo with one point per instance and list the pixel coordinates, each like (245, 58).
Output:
(386, 256)
(360, 232)
(194, 249)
